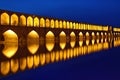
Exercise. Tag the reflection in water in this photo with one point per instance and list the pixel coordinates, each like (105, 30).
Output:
(62, 40)
(41, 59)
(72, 43)
(10, 49)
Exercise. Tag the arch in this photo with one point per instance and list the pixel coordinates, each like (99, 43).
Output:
(68, 25)
(14, 20)
(22, 20)
(33, 42)
(42, 22)
(47, 23)
(72, 35)
(62, 36)
(52, 23)
(10, 36)
(36, 22)
(50, 41)
(64, 24)
(93, 34)
(60, 24)
(87, 34)
(11, 45)
(5, 67)
(56, 24)
(4, 19)
(73, 26)
(30, 21)
(76, 26)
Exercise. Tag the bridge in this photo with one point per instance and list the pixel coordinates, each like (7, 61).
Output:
(19, 27)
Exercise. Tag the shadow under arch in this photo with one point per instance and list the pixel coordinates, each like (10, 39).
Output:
(10, 43)
(50, 41)
(62, 42)
(33, 42)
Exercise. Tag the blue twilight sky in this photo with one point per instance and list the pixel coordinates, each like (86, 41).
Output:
(105, 12)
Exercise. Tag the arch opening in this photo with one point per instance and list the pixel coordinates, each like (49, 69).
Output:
(47, 23)
(36, 22)
(33, 42)
(80, 36)
(52, 23)
(30, 21)
(22, 20)
(14, 20)
(50, 42)
(4, 19)
(62, 40)
(42, 22)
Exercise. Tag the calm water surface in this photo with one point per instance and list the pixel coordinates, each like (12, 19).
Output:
(75, 60)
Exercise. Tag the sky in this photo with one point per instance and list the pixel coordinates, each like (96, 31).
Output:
(101, 12)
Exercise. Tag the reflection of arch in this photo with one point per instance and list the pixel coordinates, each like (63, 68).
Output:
(4, 19)
(36, 60)
(22, 63)
(80, 43)
(47, 23)
(42, 22)
(22, 20)
(14, 20)
(62, 40)
(56, 24)
(30, 62)
(14, 65)
(29, 21)
(5, 67)
(36, 22)
(50, 41)
(64, 24)
(33, 41)
(52, 23)
(72, 43)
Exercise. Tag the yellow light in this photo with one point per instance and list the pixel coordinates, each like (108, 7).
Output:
(36, 22)
(36, 60)
(52, 23)
(29, 21)
(42, 59)
(22, 20)
(42, 22)
(14, 20)
(30, 62)
(33, 42)
(14, 65)
(4, 19)
(5, 67)
(22, 63)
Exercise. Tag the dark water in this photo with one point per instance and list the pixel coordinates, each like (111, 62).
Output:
(76, 60)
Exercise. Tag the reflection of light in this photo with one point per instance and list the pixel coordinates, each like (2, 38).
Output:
(14, 65)
(36, 60)
(61, 55)
(33, 42)
(23, 63)
(30, 62)
(52, 57)
(62, 45)
(93, 41)
(97, 41)
(64, 55)
(72, 35)
(57, 56)
(72, 43)
(42, 59)
(80, 42)
(10, 49)
(47, 58)
(50, 41)
(102, 40)
(87, 42)
(5, 67)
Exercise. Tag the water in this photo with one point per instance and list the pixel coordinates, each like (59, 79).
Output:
(85, 59)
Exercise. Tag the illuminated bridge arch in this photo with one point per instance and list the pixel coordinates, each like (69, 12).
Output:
(56, 24)
(33, 42)
(22, 20)
(14, 20)
(5, 19)
(47, 23)
(29, 21)
(42, 22)
(36, 22)
(52, 25)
